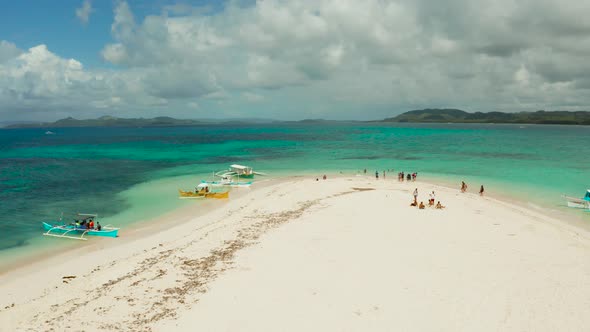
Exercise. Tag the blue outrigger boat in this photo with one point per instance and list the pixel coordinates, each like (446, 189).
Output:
(78, 232)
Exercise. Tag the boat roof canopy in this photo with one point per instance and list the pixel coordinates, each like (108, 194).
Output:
(203, 185)
(87, 215)
(239, 166)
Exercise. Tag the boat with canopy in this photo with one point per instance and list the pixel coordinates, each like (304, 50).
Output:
(240, 171)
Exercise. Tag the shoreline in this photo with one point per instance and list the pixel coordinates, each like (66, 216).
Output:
(314, 236)
(35, 259)
(138, 229)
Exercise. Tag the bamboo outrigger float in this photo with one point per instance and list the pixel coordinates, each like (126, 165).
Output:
(78, 232)
(579, 203)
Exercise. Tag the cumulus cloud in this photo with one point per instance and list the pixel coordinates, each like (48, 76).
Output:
(8, 51)
(252, 97)
(344, 58)
(83, 13)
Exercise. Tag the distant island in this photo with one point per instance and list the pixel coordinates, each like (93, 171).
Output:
(445, 115)
(429, 115)
(111, 121)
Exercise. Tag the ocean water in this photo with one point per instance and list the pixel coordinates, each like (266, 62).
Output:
(127, 175)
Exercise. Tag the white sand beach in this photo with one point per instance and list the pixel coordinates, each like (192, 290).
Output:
(344, 254)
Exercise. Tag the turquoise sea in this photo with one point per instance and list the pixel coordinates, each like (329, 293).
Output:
(127, 175)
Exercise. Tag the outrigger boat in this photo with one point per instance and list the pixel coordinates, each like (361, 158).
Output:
(76, 231)
(240, 171)
(202, 192)
(579, 203)
(227, 181)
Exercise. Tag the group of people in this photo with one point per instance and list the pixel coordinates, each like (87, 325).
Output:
(401, 176)
(431, 200)
(324, 177)
(464, 188)
(409, 177)
(203, 190)
(87, 224)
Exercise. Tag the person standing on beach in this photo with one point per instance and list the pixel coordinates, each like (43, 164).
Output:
(416, 195)
(463, 186)
(481, 190)
(377, 175)
(432, 198)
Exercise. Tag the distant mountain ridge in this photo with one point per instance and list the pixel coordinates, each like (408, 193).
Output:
(429, 115)
(444, 115)
(111, 121)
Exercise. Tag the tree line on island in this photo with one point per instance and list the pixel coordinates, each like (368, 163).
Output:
(445, 115)
(430, 115)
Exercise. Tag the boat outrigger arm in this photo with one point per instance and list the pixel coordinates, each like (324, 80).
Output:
(65, 234)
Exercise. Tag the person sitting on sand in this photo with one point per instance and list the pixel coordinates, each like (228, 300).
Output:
(439, 206)
(463, 186)
(421, 206)
(414, 203)
(325, 177)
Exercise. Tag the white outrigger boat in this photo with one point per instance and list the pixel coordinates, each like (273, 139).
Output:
(240, 171)
(227, 181)
(579, 203)
(78, 231)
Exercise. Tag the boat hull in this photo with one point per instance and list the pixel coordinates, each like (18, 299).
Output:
(577, 203)
(190, 194)
(80, 231)
(230, 184)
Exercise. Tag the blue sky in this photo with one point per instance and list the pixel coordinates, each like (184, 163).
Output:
(287, 59)
(28, 23)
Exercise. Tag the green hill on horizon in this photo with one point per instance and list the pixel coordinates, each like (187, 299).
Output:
(444, 115)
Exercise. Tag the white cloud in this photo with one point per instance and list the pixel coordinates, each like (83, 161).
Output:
(8, 51)
(354, 59)
(83, 13)
(252, 97)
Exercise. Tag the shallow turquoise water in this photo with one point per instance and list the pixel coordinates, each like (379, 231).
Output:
(131, 174)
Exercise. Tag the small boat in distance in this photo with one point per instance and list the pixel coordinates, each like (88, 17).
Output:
(190, 194)
(240, 171)
(78, 230)
(579, 203)
(49, 132)
(227, 181)
(202, 191)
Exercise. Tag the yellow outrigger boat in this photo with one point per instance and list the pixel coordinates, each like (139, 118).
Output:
(190, 194)
(202, 191)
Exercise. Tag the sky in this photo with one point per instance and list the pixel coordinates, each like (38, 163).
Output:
(289, 60)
